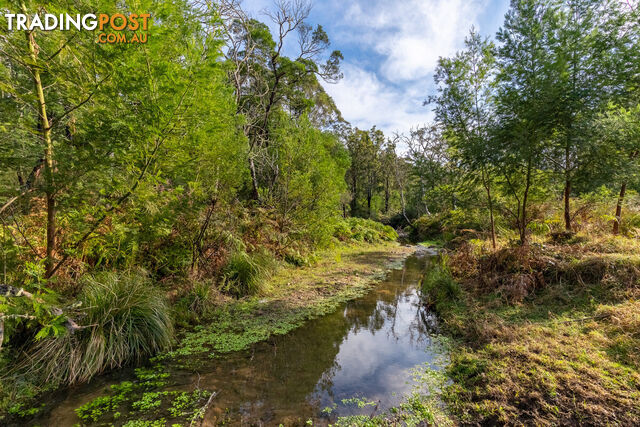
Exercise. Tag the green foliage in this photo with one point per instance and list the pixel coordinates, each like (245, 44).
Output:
(363, 230)
(144, 398)
(247, 274)
(438, 285)
(126, 320)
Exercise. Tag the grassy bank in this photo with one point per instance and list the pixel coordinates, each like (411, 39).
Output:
(292, 296)
(545, 335)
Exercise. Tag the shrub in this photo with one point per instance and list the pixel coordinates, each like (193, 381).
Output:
(246, 274)
(364, 230)
(426, 227)
(125, 320)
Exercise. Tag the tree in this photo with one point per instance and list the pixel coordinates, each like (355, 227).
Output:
(586, 49)
(620, 127)
(118, 117)
(364, 173)
(264, 79)
(428, 154)
(524, 103)
(465, 108)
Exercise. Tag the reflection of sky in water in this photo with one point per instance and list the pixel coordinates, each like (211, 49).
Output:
(377, 355)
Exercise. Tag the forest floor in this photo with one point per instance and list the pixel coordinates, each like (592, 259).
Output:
(547, 335)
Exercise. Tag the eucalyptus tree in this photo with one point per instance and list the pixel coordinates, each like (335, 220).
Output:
(363, 175)
(465, 107)
(265, 79)
(428, 153)
(387, 163)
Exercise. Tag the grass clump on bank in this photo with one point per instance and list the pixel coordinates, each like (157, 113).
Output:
(546, 335)
(123, 320)
(247, 274)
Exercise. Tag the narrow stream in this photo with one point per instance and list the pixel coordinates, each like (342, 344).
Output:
(366, 349)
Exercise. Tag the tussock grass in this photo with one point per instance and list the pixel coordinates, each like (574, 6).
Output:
(125, 319)
(247, 274)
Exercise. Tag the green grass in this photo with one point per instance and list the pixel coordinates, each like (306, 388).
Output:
(564, 355)
(125, 319)
(247, 274)
(294, 296)
(437, 243)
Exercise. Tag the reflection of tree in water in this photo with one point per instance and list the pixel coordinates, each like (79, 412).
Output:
(398, 290)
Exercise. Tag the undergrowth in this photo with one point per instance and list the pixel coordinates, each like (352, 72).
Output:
(545, 335)
(125, 319)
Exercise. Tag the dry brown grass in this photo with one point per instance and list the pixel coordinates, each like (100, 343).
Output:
(549, 334)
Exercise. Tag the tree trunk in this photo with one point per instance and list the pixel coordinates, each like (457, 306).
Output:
(616, 222)
(487, 187)
(255, 195)
(525, 196)
(369, 195)
(386, 195)
(354, 192)
(567, 207)
(45, 133)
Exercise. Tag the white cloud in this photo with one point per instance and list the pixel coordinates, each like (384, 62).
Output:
(413, 34)
(365, 101)
(391, 51)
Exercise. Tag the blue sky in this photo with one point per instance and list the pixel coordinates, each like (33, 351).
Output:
(390, 51)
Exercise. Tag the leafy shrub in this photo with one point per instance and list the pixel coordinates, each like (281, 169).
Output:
(630, 222)
(299, 259)
(364, 230)
(246, 274)
(426, 227)
(463, 219)
(125, 319)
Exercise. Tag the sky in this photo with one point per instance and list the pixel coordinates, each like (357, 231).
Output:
(391, 49)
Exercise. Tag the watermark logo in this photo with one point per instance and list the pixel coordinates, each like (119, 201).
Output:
(111, 28)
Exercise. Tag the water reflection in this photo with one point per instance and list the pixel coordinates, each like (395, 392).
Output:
(365, 349)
